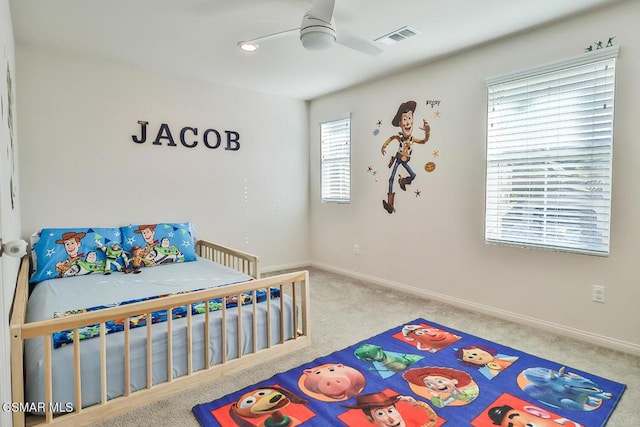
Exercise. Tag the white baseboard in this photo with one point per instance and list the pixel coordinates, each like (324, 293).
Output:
(612, 343)
(293, 266)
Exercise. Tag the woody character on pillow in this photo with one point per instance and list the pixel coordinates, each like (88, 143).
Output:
(72, 242)
(76, 264)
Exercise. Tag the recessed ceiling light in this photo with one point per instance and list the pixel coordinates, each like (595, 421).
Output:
(248, 46)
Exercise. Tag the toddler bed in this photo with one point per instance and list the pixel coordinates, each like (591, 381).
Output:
(98, 356)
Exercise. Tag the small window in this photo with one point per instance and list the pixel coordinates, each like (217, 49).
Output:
(335, 139)
(549, 155)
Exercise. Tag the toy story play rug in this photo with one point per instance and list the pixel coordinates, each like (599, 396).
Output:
(421, 374)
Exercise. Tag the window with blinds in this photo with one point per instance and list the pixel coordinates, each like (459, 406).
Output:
(549, 152)
(335, 139)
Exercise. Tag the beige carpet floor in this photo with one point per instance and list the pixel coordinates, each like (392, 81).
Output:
(345, 311)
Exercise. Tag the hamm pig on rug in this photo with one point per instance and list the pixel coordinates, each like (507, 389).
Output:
(421, 374)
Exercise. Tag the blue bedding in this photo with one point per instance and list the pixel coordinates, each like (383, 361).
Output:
(93, 290)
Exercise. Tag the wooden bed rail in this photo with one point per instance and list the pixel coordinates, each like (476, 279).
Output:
(294, 285)
(18, 317)
(41, 328)
(238, 260)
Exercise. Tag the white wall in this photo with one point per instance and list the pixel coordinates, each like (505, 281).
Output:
(9, 211)
(434, 243)
(80, 166)
(9, 167)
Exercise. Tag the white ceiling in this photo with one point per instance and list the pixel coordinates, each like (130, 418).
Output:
(198, 38)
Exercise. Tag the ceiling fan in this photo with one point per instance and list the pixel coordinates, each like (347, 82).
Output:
(318, 32)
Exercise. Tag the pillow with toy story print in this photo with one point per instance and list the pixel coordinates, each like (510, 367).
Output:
(158, 244)
(69, 252)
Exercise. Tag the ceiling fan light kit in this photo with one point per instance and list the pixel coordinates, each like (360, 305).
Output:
(317, 37)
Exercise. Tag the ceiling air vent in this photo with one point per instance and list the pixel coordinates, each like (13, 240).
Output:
(397, 35)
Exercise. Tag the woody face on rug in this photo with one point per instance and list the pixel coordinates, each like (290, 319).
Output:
(381, 410)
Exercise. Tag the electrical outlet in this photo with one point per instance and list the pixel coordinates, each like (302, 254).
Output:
(598, 293)
(356, 249)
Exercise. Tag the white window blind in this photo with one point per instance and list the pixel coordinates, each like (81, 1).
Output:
(335, 137)
(549, 151)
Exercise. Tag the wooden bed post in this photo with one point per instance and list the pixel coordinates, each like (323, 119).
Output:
(18, 315)
(305, 304)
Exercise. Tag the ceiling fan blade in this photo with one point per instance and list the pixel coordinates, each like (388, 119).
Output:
(354, 42)
(322, 9)
(272, 35)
